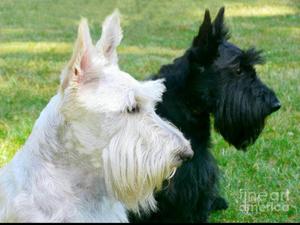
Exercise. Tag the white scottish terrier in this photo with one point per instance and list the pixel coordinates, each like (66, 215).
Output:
(98, 148)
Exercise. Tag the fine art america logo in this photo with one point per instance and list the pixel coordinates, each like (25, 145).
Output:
(255, 202)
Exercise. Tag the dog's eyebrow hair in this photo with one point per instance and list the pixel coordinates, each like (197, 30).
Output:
(91, 80)
(252, 57)
(230, 62)
(232, 55)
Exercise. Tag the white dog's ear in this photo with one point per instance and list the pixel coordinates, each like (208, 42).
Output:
(110, 38)
(82, 56)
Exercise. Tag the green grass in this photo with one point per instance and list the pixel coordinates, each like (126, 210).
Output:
(36, 39)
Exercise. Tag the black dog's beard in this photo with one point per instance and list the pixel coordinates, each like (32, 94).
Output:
(239, 119)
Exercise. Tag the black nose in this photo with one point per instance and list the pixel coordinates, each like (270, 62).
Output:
(275, 106)
(187, 154)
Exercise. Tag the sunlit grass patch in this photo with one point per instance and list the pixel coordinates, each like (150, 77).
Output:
(243, 10)
(34, 47)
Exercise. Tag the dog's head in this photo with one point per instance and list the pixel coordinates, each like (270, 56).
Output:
(112, 112)
(228, 83)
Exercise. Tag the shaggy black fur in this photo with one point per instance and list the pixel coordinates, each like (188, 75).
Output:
(213, 77)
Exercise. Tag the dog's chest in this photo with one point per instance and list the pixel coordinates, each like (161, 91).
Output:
(102, 209)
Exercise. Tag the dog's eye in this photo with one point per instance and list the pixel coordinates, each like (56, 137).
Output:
(238, 71)
(134, 109)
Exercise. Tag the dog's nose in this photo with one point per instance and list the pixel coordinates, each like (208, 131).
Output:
(275, 106)
(186, 154)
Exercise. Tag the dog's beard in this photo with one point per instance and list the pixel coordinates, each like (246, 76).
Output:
(134, 170)
(239, 120)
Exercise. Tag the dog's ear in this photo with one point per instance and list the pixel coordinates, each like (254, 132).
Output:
(81, 59)
(205, 46)
(110, 38)
(220, 30)
(205, 32)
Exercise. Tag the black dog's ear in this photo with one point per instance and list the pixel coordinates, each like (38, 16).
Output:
(205, 32)
(205, 46)
(220, 30)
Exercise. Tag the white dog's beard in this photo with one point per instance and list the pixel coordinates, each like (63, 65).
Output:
(132, 176)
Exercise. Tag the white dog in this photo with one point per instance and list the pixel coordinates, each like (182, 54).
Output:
(97, 148)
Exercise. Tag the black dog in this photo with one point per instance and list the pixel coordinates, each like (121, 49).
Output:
(213, 77)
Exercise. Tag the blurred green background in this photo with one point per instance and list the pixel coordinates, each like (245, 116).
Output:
(36, 39)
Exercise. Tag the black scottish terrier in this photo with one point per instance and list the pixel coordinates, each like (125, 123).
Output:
(213, 77)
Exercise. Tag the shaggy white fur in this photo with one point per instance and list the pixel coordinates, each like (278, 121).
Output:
(97, 148)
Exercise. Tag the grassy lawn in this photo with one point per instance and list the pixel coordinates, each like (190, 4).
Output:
(36, 39)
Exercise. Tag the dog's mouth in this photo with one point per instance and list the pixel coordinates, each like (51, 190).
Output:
(167, 181)
(172, 174)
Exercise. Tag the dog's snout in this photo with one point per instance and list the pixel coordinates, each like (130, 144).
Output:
(276, 105)
(186, 154)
